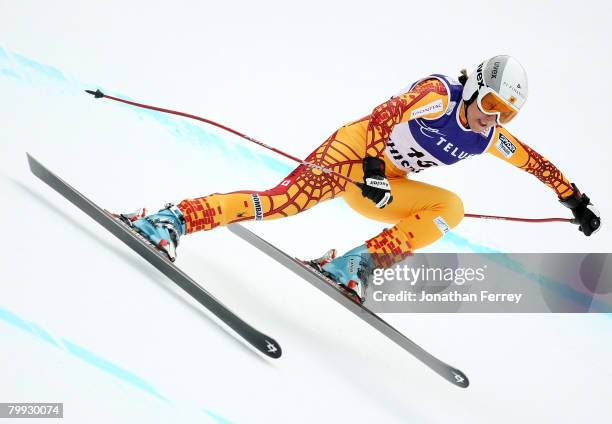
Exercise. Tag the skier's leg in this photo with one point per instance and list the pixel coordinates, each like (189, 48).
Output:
(299, 191)
(422, 213)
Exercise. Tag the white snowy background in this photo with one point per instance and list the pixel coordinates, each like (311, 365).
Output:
(86, 322)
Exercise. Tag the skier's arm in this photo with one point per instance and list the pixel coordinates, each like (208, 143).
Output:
(508, 148)
(428, 99)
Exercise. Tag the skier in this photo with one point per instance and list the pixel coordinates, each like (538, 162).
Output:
(434, 122)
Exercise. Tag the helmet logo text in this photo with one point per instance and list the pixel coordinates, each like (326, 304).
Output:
(479, 77)
(495, 69)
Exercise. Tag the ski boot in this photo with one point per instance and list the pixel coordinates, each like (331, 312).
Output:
(351, 272)
(162, 229)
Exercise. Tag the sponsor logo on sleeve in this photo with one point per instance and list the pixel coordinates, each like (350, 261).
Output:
(427, 109)
(505, 146)
(257, 207)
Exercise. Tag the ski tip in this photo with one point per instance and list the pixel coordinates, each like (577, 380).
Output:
(97, 94)
(458, 378)
(31, 161)
(270, 347)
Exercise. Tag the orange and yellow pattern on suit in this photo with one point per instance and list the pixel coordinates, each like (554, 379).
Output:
(303, 188)
(413, 211)
(508, 148)
(411, 132)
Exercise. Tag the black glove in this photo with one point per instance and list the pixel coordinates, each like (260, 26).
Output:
(375, 185)
(585, 214)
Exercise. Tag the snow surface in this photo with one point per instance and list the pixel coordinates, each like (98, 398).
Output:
(85, 321)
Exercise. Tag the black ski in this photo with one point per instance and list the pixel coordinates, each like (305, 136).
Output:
(448, 372)
(260, 341)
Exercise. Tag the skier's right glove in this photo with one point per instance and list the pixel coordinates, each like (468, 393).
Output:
(585, 214)
(375, 185)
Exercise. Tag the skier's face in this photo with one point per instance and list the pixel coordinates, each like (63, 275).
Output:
(477, 120)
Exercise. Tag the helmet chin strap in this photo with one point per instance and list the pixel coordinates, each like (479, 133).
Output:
(465, 113)
(466, 104)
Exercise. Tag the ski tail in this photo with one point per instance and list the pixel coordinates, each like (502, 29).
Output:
(265, 344)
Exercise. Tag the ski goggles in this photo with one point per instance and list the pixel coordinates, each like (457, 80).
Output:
(491, 104)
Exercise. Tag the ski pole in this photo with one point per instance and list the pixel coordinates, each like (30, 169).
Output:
(509, 218)
(99, 94)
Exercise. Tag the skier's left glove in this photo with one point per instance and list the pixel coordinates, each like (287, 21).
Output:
(375, 185)
(585, 214)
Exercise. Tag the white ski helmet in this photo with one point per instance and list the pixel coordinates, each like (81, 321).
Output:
(499, 86)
